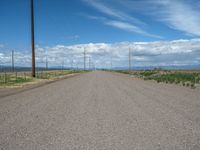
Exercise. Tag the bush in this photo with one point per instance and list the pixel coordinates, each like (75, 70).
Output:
(184, 78)
(192, 85)
(177, 82)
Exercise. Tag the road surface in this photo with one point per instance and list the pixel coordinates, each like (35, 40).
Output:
(101, 111)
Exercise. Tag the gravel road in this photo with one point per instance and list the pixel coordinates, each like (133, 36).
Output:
(101, 111)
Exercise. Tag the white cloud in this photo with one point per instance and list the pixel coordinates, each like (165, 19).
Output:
(180, 15)
(113, 12)
(144, 53)
(129, 27)
(119, 19)
(177, 52)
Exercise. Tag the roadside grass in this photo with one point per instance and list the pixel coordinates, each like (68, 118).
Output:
(55, 74)
(20, 78)
(12, 79)
(189, 79)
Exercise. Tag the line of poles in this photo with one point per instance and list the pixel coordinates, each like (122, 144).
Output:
(85, 58)
(91, 65)
(33, 48)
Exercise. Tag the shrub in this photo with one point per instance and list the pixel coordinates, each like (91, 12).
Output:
(192, 85)
(158, 80)
(177, 82)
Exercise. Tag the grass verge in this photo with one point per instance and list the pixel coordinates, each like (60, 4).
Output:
(189, 79)
(19, 79)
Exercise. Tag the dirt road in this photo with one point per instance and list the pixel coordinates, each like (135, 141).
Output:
(101, 111)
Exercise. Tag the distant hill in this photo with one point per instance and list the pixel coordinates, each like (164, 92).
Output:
(185, 67)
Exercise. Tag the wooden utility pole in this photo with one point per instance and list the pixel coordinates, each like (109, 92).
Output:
(89, 63)
(130, 59)
(46, 61)
(63, 63)
(32, 38)
(84, 59)
(111, 62)
(13, 66)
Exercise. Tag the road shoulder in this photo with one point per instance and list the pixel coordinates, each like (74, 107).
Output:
(8, 91)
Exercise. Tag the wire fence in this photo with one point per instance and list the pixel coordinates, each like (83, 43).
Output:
(9, 77)
(47, 66)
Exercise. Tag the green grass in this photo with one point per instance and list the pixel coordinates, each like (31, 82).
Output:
(189, 79)
(12, 79)
(54, 74)
(177, 78)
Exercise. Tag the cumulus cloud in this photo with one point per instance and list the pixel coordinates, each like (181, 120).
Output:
(158, 53)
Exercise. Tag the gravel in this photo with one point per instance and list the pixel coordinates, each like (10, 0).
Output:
(101, 111)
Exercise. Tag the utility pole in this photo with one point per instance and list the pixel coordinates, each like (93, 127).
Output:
(32, 38)
(76, 65)
(13, 66)
(111, 62)
(84, 59)
(72, 64)
(95, 67)
(89, 63)
(130, 59)
(63, 65)
(46, 61)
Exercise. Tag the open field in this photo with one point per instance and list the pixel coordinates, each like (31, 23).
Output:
(103, 111)
(187, 78)
(8, 79)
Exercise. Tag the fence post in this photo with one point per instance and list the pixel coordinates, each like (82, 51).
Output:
(16, 76)
(5, 77)
(24, 75)
(46, 75)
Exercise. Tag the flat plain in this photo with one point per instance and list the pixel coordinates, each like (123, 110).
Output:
(103, 111)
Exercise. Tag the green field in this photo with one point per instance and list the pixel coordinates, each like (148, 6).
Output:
(184, 78)
(7, 79)
(19, 78)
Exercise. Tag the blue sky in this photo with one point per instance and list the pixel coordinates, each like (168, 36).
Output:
(72, 23)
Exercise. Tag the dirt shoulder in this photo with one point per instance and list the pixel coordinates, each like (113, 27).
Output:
(11, 90)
